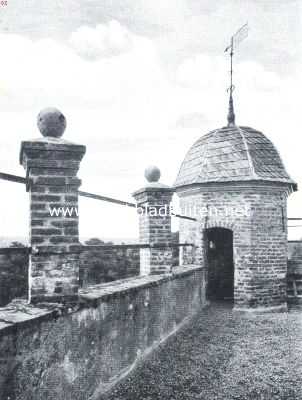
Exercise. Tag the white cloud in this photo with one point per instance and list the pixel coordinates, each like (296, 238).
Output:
(201, 71)
(191, 120)
(104, 40)
(45, 71)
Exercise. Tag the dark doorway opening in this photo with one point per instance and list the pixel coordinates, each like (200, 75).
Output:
(220, 264)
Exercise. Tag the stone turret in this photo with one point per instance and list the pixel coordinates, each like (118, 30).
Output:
(236, 175)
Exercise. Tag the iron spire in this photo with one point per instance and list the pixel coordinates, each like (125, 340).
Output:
(235, 40)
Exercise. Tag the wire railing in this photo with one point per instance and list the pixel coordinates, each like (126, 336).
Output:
(80, 248)
(20, 179)
(139, 245)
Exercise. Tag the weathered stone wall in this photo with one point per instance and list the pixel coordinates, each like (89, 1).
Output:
(294, 272)
(294, 249)
(13, 274)
(108, 263)
(76, 354)
(260, 238)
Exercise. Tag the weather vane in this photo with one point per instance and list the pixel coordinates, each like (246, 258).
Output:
(240, 35)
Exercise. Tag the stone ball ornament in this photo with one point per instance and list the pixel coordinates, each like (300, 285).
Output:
(152, 173)
(51, 122)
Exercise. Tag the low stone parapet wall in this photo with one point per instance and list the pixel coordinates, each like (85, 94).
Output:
(294, 272)
(101, 264)
(51, 351)
(13, 273)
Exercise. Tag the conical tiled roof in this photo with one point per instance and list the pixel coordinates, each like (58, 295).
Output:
(233, 153)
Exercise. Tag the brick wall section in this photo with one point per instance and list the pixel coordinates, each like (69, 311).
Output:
(259, 239)
(51, 166)
(155, 229)
(13, 274)
(108, 263)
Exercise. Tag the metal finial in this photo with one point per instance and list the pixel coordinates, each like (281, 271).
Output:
(235, 40)
(231, 114)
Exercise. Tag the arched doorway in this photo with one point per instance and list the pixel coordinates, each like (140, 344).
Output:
(220, 263)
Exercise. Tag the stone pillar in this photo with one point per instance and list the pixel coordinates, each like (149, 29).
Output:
(153, 202)
(51, 165)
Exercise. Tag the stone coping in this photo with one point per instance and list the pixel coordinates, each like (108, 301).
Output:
(83, 247)
(122, 286)
(154, 187)
(20, 313)
(261, 310)
(51, 144)
(6, 250)
(134, 246)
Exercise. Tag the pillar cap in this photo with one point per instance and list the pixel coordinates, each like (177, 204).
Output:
(152, 175)
(154, 188)
(47, 144)
(51, 122)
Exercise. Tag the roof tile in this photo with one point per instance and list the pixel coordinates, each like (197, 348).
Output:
(232, 154)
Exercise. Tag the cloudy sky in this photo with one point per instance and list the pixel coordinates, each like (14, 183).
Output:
(139, 81)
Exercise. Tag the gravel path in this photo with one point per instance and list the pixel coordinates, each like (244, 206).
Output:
(223, 355)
